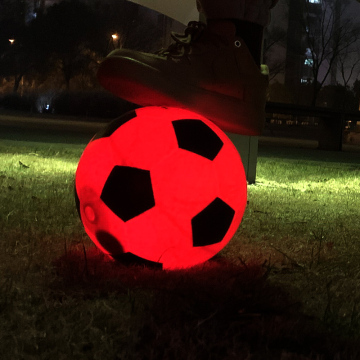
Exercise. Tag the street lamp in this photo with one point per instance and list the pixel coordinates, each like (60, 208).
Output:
(116, 40)
(11, 41)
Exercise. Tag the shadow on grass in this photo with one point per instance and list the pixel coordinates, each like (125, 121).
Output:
(218, 310)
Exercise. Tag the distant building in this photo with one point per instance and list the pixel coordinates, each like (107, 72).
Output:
(37, 6)
(303, 14)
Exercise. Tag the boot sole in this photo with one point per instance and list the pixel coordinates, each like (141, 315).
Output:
(146, 86)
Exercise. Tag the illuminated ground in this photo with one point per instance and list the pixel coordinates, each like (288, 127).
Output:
(286, 287)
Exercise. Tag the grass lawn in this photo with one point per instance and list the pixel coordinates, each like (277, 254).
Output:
(286, 287)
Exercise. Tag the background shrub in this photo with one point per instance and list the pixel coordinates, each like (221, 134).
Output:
(14, 101)
(92, 104)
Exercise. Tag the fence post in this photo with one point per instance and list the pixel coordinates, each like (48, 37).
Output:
(247, 147)
(331, 132)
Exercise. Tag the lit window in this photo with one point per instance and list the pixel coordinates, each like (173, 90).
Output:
(314, 1)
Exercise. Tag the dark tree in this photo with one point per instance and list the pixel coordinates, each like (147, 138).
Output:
(324, 35)
(356, 91)
(137, 28)
(71, 38)
(12, 27)
(275, 38)
(63, 35)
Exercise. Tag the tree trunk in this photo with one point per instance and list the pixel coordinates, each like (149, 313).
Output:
(316, 90)
(17, 83)
(67, 83)
(67, 71)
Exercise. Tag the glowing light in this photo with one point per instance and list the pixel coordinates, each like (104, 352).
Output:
(11, 41)
(163, 184)
(115, 36)
(309, 62)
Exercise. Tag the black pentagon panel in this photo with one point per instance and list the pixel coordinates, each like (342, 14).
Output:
(128, 192)
(211, 225)
(197, 137)
(114, 125)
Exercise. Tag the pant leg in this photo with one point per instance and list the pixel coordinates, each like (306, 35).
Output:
(255, 11)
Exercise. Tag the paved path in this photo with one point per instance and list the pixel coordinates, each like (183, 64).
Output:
(44, 129)
(72, 131)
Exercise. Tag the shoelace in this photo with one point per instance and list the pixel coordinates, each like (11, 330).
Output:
(183, 42)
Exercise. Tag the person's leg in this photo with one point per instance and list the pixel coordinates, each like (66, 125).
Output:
(250, 17)
(209, 70)
(254, 11)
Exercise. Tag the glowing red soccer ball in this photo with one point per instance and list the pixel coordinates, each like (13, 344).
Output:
(163, 184)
